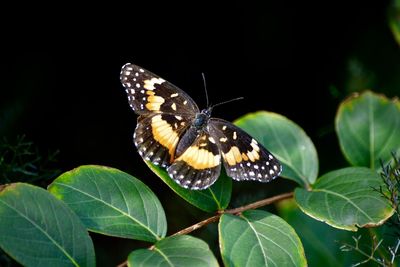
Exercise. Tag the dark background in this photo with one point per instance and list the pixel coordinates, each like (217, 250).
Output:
(60, 78)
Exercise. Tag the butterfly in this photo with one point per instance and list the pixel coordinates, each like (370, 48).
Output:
(172, 132)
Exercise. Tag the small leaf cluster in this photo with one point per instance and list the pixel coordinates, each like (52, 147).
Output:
(21, 161)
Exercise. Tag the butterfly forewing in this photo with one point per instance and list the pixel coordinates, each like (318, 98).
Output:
(199, 166)
(244, 158)
(148, 93)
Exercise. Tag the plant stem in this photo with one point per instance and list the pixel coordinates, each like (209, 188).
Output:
(235, 211)
(259, 203)
(198, 225)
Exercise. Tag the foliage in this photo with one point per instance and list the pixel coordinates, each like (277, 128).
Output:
(388, 248)
(391, 177)
(50, 227)
(21, 161)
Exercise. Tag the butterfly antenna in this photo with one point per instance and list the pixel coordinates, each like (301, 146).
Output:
(205, 87)
(238, 98)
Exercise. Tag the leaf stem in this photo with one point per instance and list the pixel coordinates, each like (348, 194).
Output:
(235, 211)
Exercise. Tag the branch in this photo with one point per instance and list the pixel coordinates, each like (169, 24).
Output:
(259, 203)
(198, 225)
(235, 211)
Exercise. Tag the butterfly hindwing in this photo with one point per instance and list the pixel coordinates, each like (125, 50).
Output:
(156, 136)
(148, 93)
(199, 166)
(244, 158)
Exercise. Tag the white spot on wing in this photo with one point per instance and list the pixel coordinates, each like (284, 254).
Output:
(173, 106)
(149, 84)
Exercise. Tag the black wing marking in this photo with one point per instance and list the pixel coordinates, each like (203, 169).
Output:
(156, 137)
(148, 93)
(244, 158)
(199, 165)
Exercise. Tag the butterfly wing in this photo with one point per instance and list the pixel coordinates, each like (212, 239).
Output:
(148, 93)
(157, 135)
(244, 158)
(199, 165)
(165, 112)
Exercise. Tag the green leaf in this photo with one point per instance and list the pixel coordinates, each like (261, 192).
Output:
(346, 199)
(259, 238)
(394, 19)
(287, 141)
(181, 250)
(321, 241)
(214, 198)
(112, 202)
(368, 127)
(37, 229)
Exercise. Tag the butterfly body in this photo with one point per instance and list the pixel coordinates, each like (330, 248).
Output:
(173, 132)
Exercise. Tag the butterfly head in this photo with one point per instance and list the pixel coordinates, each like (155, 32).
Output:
(201, 118)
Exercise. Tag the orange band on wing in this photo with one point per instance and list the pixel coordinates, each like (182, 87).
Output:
(200, 158)
(164, 134)
(233, 156)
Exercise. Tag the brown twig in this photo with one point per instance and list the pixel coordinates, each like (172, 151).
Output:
(198, 225)
(259, 203)
(235, 211)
